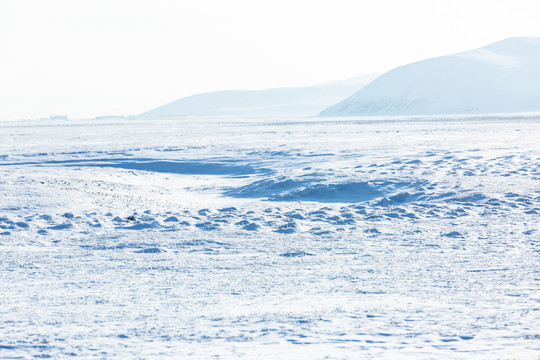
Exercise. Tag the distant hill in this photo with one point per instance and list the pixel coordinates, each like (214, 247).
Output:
(293, 101)
(503, 77)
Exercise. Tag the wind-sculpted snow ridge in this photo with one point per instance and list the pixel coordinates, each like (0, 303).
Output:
(318, 220)
(284, 189)
(268, 238)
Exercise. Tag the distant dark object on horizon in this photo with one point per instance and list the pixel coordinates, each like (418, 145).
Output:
(58, 117)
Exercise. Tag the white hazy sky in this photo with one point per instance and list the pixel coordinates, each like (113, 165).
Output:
(101, 57)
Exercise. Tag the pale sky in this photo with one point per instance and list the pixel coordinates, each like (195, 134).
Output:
(106, 57)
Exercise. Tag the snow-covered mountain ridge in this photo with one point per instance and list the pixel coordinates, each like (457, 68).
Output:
(503, 77)
(293, 101)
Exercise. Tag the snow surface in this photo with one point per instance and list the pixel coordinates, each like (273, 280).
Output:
(300, 238)
(293, 101)
(503, 77)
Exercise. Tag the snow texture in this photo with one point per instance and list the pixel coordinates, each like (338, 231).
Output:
(284, 239)
(503, 77)
(299, 101)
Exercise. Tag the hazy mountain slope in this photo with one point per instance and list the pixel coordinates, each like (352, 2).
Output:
(499, 78)
(297, 101)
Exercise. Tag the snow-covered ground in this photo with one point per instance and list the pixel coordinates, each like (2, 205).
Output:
(300, 238)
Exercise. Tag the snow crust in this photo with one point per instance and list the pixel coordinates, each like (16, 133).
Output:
(499, 78)
(294, 101)
(309, 238)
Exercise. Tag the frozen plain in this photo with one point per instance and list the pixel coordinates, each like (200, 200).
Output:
(270, 238)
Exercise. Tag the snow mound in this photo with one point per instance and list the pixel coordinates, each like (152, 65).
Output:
(502, 77)
(286, 189)
(294, 101)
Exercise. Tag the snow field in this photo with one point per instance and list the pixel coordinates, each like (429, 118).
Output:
(307, 238)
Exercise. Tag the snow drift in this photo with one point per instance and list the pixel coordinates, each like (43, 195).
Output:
(503, 77)
(294, 101)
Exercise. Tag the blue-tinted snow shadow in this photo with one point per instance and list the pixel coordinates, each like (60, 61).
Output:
(285, 189)
(193, 167)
